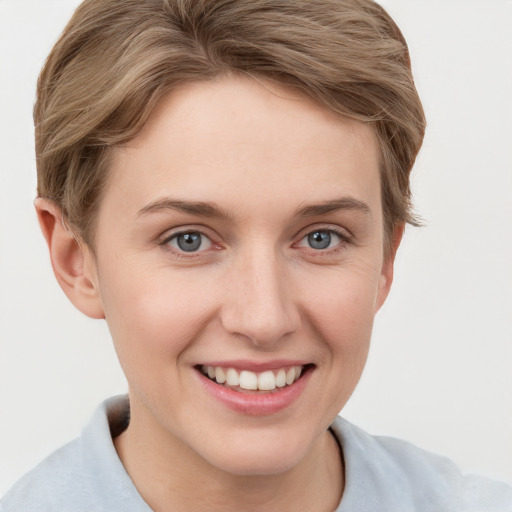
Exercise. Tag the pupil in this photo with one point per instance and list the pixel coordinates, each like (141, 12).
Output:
(319, 240)
(189, 242)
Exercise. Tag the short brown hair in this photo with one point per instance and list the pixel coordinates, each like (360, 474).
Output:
(117, 58)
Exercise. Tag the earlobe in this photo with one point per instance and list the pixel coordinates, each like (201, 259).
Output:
(386, 276)
(72, 261)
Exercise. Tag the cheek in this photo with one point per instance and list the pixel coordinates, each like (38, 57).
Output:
(345, 326)
(340, 312)
(154, 316)
(341, 305)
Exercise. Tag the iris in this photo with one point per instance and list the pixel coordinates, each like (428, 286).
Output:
(189, 242)
(319, 239)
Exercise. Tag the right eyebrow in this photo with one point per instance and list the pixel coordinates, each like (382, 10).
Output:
(200, 208)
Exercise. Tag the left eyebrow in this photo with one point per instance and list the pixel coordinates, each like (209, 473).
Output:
(334, 205)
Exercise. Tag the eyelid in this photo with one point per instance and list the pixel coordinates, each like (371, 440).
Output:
(170, 234)
(173, 242)
(343, 234)
(186, 228)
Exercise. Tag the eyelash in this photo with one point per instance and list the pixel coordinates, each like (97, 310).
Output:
(180, 253)
(344, 239)
(342, 235)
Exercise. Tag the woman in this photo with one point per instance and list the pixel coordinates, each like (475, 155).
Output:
(227, 183)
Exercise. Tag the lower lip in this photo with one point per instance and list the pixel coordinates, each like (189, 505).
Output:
(257, 404)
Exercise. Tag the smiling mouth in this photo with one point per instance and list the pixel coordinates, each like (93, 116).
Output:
(246, 381)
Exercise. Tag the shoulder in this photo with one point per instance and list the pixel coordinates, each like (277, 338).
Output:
(85, 475)
(51, 484)
(401, 476)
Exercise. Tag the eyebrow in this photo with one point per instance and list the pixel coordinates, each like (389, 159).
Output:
(207, 209)
(334, 205)
(204, 209)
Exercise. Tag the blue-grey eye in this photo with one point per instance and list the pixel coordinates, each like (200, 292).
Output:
(190, 241)
(319, 239)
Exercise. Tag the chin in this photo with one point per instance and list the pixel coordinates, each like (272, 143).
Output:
(269, 455)
(256, 464)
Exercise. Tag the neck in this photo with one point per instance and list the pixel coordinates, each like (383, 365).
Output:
(315, 483)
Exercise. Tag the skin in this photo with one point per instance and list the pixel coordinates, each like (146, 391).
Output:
(265, 158)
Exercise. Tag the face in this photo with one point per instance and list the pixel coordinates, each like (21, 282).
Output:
(239, 244)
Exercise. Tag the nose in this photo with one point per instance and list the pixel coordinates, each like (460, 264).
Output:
(259, 303)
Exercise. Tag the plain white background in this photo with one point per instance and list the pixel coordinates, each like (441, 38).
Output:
(439, 372)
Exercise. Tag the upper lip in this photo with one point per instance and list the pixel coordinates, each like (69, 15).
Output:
(255, 366)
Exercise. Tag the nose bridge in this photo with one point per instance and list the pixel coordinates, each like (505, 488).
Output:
(259, 304)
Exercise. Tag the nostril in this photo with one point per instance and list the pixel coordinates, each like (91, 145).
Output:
(260, 329)
(259, 304)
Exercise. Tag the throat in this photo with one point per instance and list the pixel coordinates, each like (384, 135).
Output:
(315, 483)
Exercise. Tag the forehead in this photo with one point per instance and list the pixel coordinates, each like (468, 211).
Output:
(246, 142)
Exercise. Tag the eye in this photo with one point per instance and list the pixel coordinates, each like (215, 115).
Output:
(189, 241)
(322, 239)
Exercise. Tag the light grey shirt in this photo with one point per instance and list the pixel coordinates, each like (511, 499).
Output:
(382, 475)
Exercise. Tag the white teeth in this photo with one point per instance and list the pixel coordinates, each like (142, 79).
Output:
(248, 380)
(290, 376)
(264, 381)
(281, 378)
(232, 377)
(220, 376)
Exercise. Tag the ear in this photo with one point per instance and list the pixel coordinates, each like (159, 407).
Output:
(386, 275)
(72, 261)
